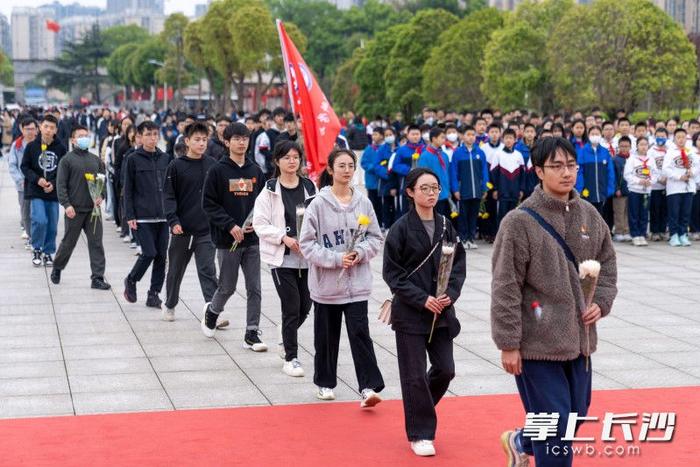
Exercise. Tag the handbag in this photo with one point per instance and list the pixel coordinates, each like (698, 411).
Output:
(384, 314)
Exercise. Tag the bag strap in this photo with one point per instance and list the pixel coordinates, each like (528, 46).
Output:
(551, 231)
(430, 255)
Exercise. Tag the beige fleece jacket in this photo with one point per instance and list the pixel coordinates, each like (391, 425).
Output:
(529, 266)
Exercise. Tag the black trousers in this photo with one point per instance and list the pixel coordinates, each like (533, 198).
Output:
(82, 222)
(293, 289)
(658, 216)
(328, 320)
(695, 213)
(388, 211)
(376, 201)
(179, 254)
(420, 390)
(504, 207)
(153, 238)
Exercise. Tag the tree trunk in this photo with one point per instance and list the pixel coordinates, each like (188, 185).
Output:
(240, 92)
(226, 95)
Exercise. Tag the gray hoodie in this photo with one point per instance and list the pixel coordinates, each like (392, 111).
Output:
(326, 230)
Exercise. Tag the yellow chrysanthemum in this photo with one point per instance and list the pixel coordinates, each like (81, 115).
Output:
(90, 177)
(415, 156)
(489, 185)
(486, 215)
(362, 219)
(585, 193)
(383, 163)
(43, 147)
(453, 215)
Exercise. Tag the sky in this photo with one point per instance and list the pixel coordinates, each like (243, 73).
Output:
(171, 6)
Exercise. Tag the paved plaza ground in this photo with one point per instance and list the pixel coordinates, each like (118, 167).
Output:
(70, 350)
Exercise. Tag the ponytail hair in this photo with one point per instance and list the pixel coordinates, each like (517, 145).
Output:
(326, 179)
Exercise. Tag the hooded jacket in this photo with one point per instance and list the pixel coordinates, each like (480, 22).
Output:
(144, 180)
(184, 183)
(596, 174)
(530, 266)
(327, 229)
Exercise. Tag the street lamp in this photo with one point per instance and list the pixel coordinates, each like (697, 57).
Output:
(165, 83)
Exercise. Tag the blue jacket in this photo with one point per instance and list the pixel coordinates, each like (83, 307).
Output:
(507, 179)
(368, 162)
(530, 180)
(387, 180)
(621, 183)
(469, 172)
(430, 159)
(596, 173)
(403, 162)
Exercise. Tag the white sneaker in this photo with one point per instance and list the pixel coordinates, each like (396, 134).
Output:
(293, 368)
(206, 330)
(126, 239)
(369, 398)
(325, 394)
(24, 235)
(169, 314)
(423, 448)
(635, 241)
(643, 241)
(472, 246)
(626, 238)
(618, 238)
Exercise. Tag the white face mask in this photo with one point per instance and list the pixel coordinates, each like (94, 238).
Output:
(594, 139)
(452, 137)
(390, 139)
(426, 136)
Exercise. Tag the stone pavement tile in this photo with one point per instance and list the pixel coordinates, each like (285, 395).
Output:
(122, 401)
(654, 345)
(31, 341)
(26, 319)
(194, 363)
(679, 331)
(126, 337)
(622, 360)
(484, 384)
(204, 347)
(38, 354)
(216, 396)
(601, 381)
(114, 382)
(79, 307)
(38, 310)
(39, 328)
(108, 366)
(680, 360)
(106, 318)
(33, 386)
(299, 393)
(653, 378)
(170, 336)
(36, 406)
(93, 328)
(32, 370)
(475, 368)
(267, 360)
(203, 379)
(86, 352)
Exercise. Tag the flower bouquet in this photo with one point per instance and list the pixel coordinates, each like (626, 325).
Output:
(362, 224)
(246, 223)
(96, 184)
(454, 212)
(414, 160)
(447, 256)
(588, 272)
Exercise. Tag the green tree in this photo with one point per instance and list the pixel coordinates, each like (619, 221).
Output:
(624, 52)
(515, 69)
(345, 90)
(456, 7)
(404, 72)
(369, 72)
(143, 74)
(173, 36)
(116, 36)
(7, 75)
(452, 74)
(202, 63)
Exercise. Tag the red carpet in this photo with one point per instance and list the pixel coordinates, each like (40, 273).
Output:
(327, 434)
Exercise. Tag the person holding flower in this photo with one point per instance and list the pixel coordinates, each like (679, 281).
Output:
(75, 170)
(412, 253)
(681, 168)
(640, 174)
(541, 319)
(405, 159)
(339, 237)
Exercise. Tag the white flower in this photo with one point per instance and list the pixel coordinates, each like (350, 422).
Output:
(101, 177)
(589, 268)
(300, 210)
(448, 250)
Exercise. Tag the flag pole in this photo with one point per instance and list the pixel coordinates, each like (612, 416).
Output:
(280, 26)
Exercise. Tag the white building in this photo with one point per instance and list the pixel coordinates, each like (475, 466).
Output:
(31, 40)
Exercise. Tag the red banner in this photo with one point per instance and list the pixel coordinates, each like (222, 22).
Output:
(319, 123)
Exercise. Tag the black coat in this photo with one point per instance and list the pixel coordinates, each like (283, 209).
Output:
(144, 180)
(184, 184)
(406, 246)
(34, 167)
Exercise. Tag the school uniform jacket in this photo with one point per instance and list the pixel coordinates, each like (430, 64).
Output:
(406, 246)
(469, 172)
(596, 173)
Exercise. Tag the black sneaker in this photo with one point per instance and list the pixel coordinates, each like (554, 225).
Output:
(56, 276)
(129, 290)
(153, 300)
(99, 284)
(253, 342)
(48, 260)
(209, 321)
(36, 258)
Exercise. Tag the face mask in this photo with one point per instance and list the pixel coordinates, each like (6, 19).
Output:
(83, 143)
(426, 137)
(390, 139)
(594, 139)
(429, 120)
(452, 137)
(660, 141)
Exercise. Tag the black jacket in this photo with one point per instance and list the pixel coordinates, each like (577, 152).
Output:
(406, 246)
(216, 149)
(229, 197)
(184, 183)
(144, 179)
(34, 167)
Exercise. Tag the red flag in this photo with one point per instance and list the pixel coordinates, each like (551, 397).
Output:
(53, 26)
(319, 122)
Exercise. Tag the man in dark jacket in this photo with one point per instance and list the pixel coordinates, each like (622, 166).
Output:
(39, 166)
(230, 189)
(216, 147)
(74, 195)
(144, 179)
(188, 223)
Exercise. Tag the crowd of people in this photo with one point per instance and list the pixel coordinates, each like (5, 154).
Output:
(233, 192)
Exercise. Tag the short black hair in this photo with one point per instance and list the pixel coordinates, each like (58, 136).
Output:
(661, 130)
(594, 127)
(146, 125)
(47, 117)
(378, 129)
(77, 128)
(509, 132)
(640, 125)
(412, 127)
(222, 118)
(278, 111)
(608, 123)
(25, 122)
(435, 132)
(236, 129)
(468, 128)
(680, 130)
(412, 178)
(290, 117)
(693, 122)
(530, 125)
(547, 149)
(623, 119)
(493, 125)
(196, 127)
(624, 139)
